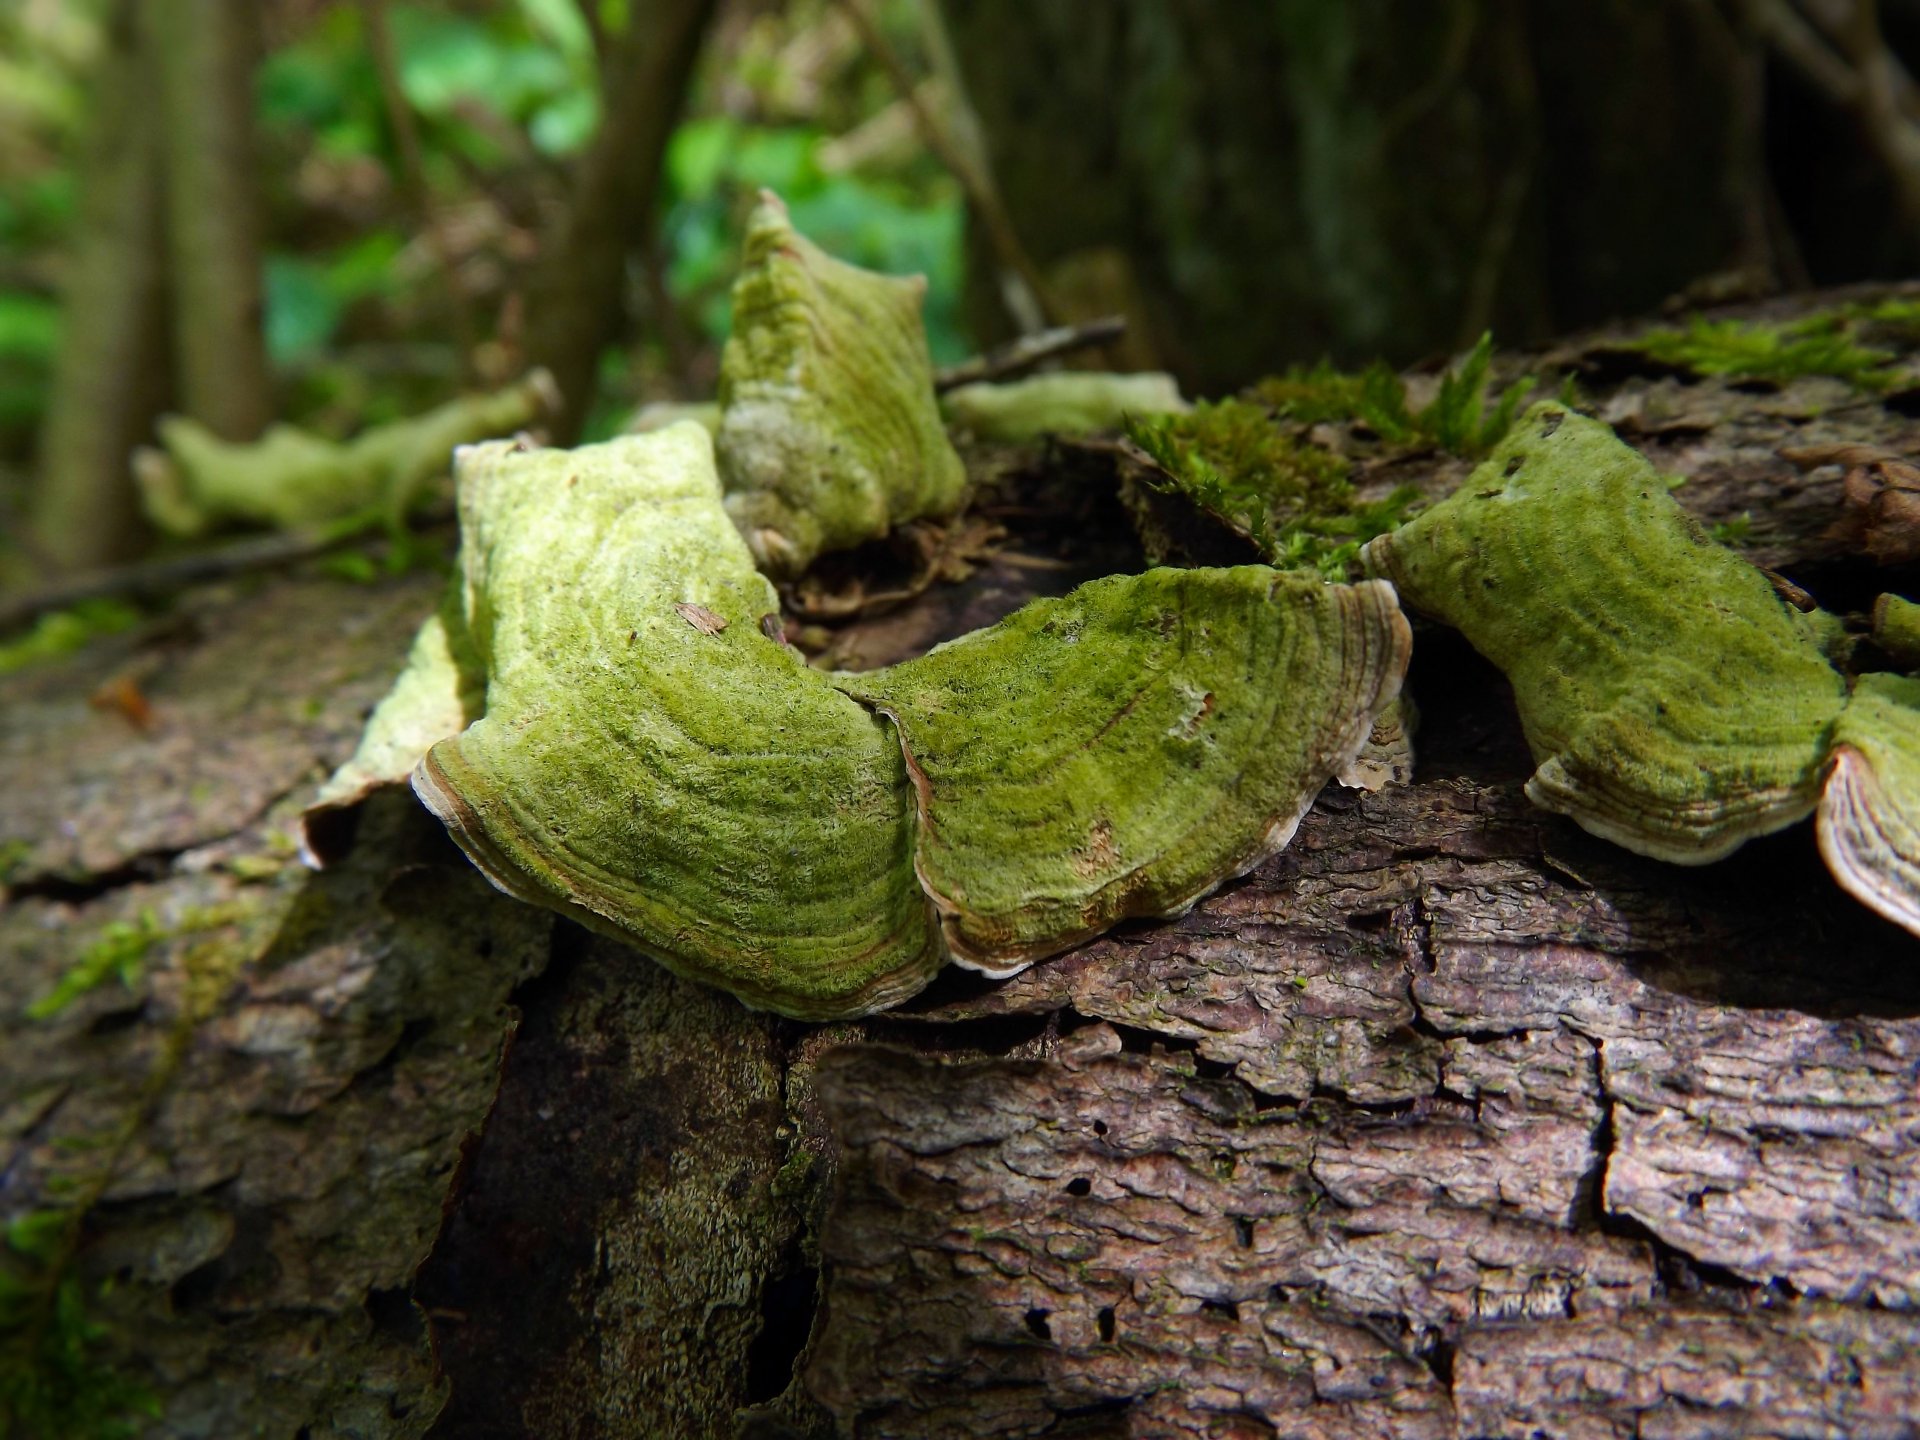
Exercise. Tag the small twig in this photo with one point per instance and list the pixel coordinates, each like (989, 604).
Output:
(1843, 54)
(1030, 350)
(156, 577)
(981, 194)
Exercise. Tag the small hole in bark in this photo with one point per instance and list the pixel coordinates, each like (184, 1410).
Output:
(393, 1315)
(1037, 1325)
(1080, 1185)
(1374, 921)
(1228, 1308)
(1099, 1127)
(116, 1020)
(1243, 1232)
(1103, 1322)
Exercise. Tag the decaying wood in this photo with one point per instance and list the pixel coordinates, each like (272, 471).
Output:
(1449, 1121)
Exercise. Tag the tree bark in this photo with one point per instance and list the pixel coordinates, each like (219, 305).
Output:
(206, 51)
(111, 377)
(1449, 1121)
(575, 298)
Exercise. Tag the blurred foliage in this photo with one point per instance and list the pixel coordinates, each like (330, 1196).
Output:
(363, 301)
(62, 632)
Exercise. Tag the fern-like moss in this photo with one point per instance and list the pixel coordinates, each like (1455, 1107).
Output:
(1827, 343)
(1458, 418)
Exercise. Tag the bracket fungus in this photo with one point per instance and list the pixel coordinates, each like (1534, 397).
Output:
(291, 477)
(1869, 823)
(690, 787)
(1896, 629)
(1123, 750)
(830, 433)
(1673, 702)
(1067, 402)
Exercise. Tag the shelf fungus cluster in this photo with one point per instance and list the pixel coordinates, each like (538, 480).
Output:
(604, 724)
(1674, 703)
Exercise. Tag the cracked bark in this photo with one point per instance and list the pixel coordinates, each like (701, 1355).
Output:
(1449, 1121)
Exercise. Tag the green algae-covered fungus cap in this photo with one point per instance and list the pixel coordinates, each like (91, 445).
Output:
(1673, 702)
(1869, 822)
(1123, 750)
(289, 478)
(1067, 402)
(649, 761)
(829, 430)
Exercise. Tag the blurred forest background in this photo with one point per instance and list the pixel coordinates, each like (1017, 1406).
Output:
(336, 213)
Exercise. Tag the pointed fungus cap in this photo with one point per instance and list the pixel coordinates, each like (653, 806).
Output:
(1123, 750)
(1673, 702)
(1896, 629)
(1869, 822)
(829, 430)
(691, 788)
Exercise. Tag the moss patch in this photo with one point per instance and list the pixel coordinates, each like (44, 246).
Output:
(1291, 498)
(1840, 343)
(62, 632)
(1458, 418)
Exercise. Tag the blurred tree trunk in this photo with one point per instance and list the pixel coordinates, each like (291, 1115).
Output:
(111, 376)
(1367, 179)
(206, 51)
(574, 300)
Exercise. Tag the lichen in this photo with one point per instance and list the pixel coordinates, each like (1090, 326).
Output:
(829, 430)
(1674, 703)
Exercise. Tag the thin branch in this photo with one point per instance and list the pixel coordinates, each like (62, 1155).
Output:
(1853, 66)
(151, 578)
(1030, 350)
(1801, 46)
